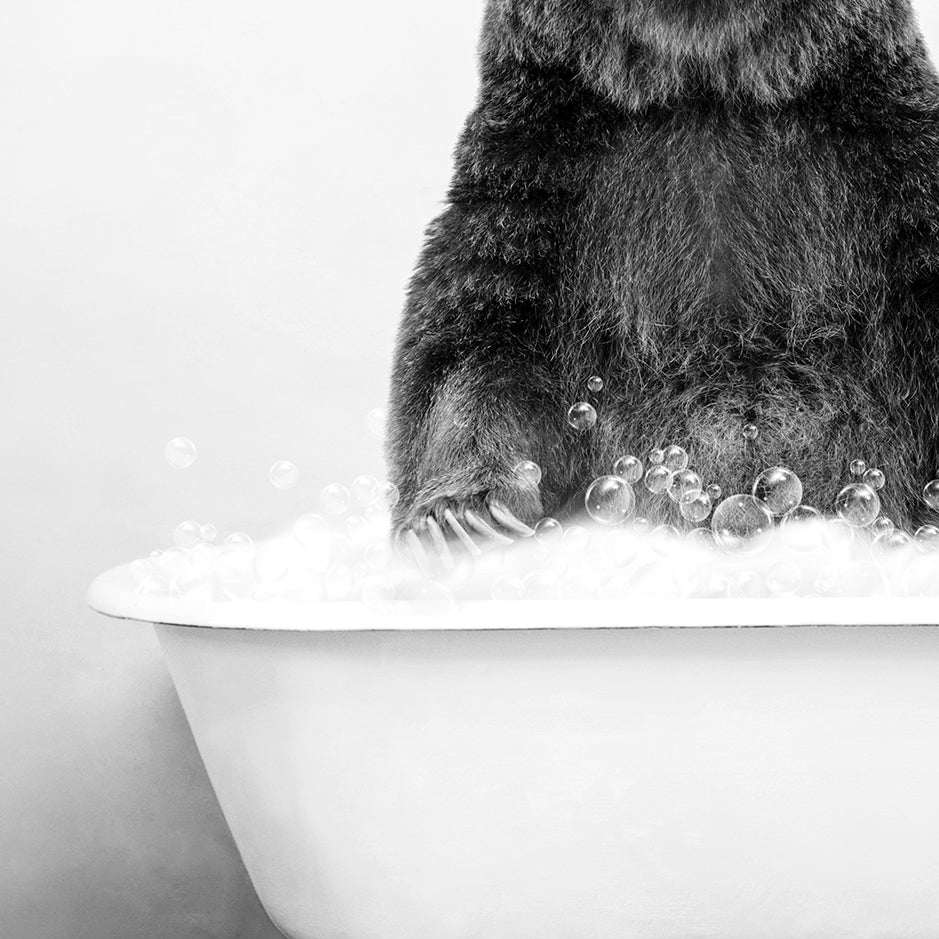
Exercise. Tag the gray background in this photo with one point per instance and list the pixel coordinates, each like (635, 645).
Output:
(210, 211)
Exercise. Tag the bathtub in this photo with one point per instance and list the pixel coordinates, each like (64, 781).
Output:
(570, 771)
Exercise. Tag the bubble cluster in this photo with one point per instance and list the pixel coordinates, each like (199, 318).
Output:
(695, 506)
(760, 543)
(682, 482)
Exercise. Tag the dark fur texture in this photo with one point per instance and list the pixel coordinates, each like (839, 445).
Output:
(728, 209)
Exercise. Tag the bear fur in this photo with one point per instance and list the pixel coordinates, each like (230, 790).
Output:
(727, 209)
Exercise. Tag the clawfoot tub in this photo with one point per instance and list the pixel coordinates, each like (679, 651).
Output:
(524, 771)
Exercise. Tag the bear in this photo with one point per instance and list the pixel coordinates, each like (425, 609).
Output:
(728, 210)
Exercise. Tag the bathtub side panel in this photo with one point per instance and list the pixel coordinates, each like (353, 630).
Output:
(602, 784)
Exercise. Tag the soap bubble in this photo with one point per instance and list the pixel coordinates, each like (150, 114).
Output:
(882, 524)
(358, 528)
(675, 458)
(655, 579)
(620, 546)
(784, 579)
(188, 534)
(271, 564)
(302, 585)
(800, 528)
(528, 472)
(238, 539)
(209, 532)
(739, 521)
(540, 584)
(310, 529)
(598, 569)
(931, 495)
(378, 555)
(388, 494)
(640, 524)
(582, 416)
(629, 467)
(657, 479)
(335, 499)
(203, 557)
(714, 492)
(377, 589)
(340, 582)
(234, 563)
(140, 570)
(664, 538)
(682, 482)
(695, 506)
(610, 500)
(860, 579)
(284, 474)
(508, 587)
(751, 431)
(838, 535)
(890, 540)
(700, 538)
(576, 540)
(173, 561)
(548, 529)
(927, 537)
(875, 478)
(858, 468)
(375, 423)
(595, 383)
(180, 452)
(779, 489)
(858, 505)
(704, 584)
(747, 585)
(656, 456)
(921, 577)
(365, 489)
(433, 599)
(154, 586)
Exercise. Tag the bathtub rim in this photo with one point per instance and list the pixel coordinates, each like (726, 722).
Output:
(113, 593)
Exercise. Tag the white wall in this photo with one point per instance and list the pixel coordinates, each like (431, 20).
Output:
(209, 212)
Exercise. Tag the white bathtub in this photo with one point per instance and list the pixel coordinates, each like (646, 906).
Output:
(512, 773)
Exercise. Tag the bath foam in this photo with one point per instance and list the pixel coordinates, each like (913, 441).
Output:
(806, 572)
